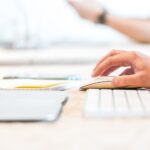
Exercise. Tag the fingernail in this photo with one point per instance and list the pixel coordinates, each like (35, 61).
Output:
(93, 74)
(95, 68)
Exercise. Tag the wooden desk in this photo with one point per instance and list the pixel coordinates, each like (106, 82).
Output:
(72, 131)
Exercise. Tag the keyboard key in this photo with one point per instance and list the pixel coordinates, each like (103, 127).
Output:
(134, 101)
(92, 102)
(106, 101)
(121, 106)
(145, 98)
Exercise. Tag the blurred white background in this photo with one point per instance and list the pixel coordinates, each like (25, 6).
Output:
(40, 23)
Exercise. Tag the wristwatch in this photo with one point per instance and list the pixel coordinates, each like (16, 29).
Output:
(102, 18)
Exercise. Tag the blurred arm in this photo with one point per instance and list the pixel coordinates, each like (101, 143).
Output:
(136, 29)
(91, 10)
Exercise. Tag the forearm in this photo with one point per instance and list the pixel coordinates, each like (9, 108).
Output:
(136, 29)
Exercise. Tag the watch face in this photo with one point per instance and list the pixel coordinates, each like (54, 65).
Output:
(102, 18)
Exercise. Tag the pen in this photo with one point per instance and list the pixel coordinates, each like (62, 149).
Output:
(44, 86)
(70, 77)
(57, 86)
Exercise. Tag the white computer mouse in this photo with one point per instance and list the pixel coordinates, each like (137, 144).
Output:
(101, 83)
(98, 83)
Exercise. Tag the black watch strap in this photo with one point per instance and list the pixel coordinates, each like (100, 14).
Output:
(102, 18)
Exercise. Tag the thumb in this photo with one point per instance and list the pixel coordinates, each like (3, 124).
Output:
(126, 81)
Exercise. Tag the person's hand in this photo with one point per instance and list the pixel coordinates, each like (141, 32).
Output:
(87, 9)
(137, 75)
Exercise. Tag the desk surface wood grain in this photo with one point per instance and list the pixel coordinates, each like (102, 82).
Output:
(72, 131)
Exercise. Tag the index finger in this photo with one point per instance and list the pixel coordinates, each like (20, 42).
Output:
(111, 53)
(123, 59)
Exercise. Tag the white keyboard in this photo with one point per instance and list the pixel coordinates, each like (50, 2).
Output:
(117, 103)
